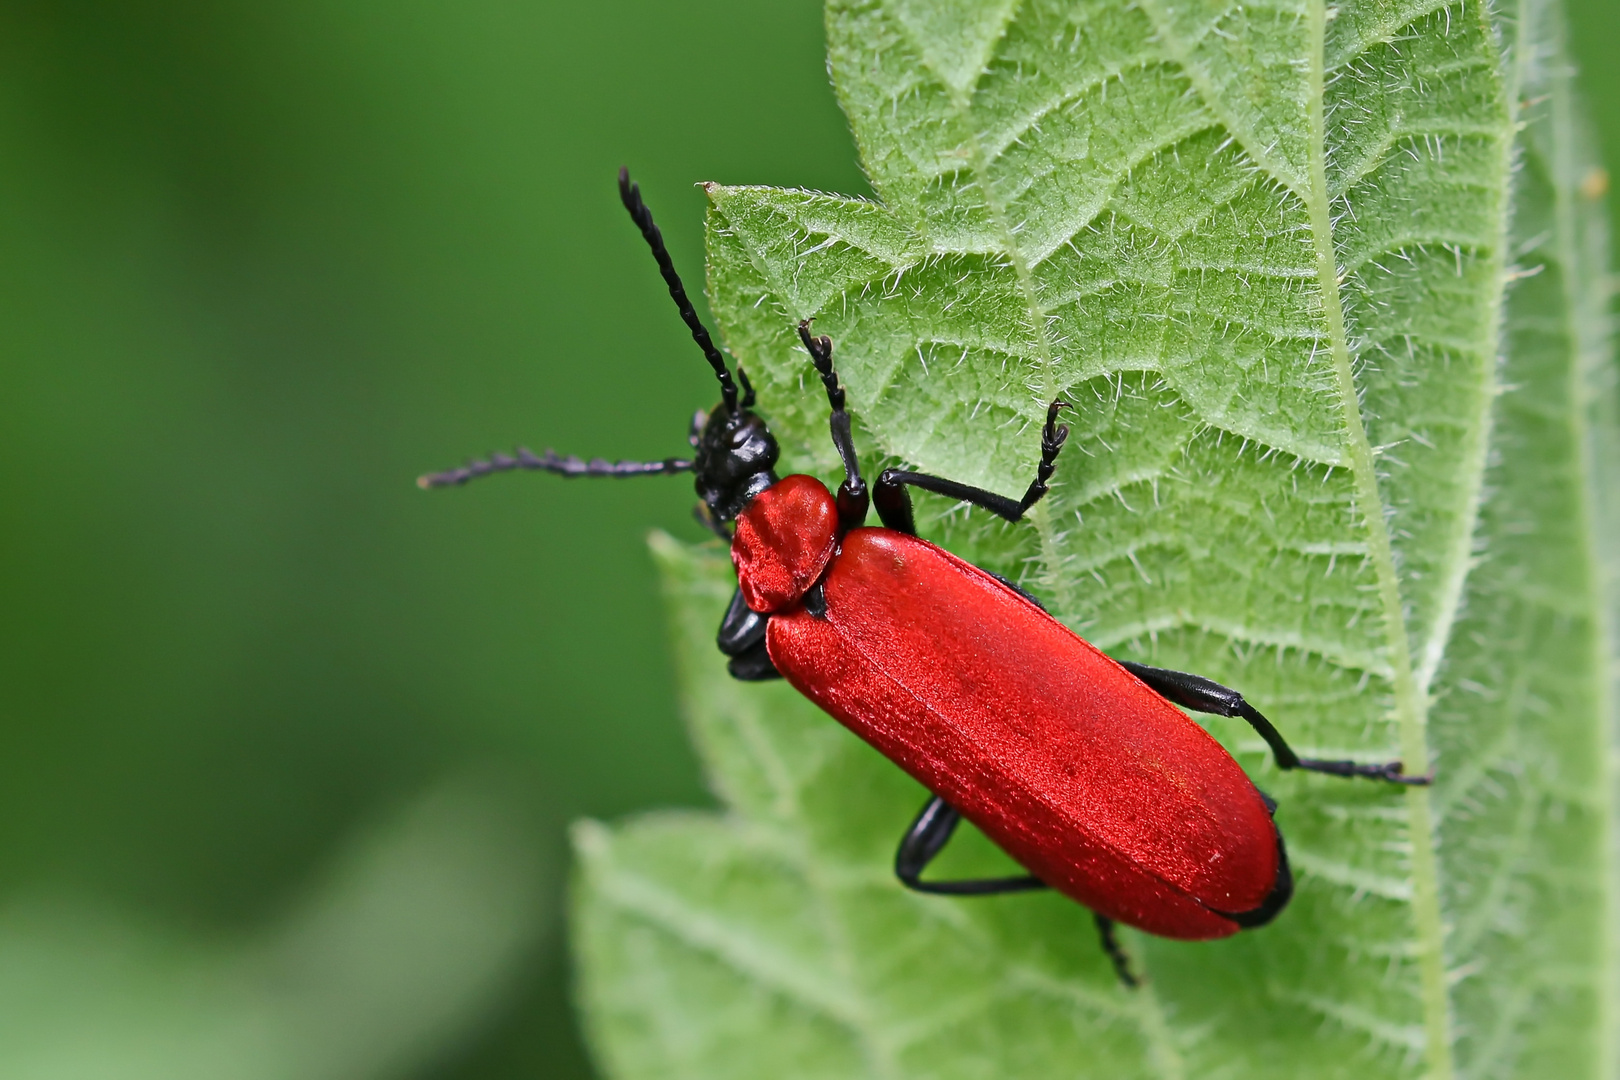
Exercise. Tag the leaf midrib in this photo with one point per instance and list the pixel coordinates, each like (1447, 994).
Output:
(1410, 706)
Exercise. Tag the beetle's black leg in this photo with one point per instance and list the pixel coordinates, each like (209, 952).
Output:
(1111, 946)
(1202, 695)
(742, 637)
(926, 838)
(753, 665)
(894, 505)
(549, 462)
(1017, 588)
(741, 628)
(852, 495)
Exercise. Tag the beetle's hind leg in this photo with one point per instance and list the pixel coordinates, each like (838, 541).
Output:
(926, 838)
(1116, 953)
(1203, 695)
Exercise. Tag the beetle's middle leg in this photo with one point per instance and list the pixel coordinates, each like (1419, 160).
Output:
(1203, 695)
(926, 838)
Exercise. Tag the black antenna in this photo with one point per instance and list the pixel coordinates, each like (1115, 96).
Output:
(631, 194)
(550, 462)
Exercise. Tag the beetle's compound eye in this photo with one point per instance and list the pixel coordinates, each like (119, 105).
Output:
(742, 429)
(750, 446)
(747, 435)
(700, 420)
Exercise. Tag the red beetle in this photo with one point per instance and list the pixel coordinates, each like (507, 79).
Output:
(1079, 766)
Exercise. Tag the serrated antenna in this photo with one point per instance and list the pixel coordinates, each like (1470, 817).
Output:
(631, 195)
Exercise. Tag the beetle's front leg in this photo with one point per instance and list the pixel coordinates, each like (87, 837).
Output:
(742, 637)
(894, 505)
(1203, 695)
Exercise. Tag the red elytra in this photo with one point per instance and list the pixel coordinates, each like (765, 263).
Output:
(1095, 783)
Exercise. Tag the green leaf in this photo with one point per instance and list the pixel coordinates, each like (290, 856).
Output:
(1326, 287)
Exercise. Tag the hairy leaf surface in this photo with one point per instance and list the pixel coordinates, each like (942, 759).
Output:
(1332, 327)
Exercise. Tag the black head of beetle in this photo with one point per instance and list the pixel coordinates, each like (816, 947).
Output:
(735, 451)
(735, 459)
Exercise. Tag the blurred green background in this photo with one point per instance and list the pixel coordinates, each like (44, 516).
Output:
(287, 747)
